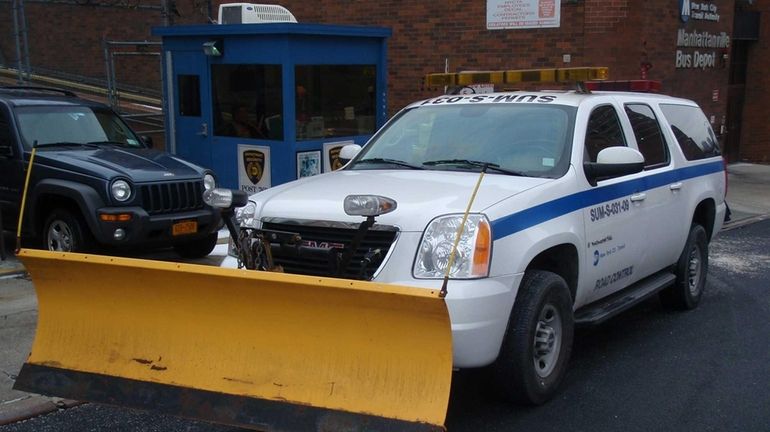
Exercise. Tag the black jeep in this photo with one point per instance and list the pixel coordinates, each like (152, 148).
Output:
(94, 183)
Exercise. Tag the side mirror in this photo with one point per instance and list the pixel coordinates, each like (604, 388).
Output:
(613, 162)
(349, 152)
(147, 140)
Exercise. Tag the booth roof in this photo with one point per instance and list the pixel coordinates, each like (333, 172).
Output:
(271, 28)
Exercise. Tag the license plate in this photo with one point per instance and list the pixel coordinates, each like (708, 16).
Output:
(186, 227)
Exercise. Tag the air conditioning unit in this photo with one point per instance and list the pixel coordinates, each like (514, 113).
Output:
(249, 13)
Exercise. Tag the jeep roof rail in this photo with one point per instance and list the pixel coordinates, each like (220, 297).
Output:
(39, 89)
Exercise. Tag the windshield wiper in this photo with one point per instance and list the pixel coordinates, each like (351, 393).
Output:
(116, 143)
(473, 163)
(388, 161)
(66, 144)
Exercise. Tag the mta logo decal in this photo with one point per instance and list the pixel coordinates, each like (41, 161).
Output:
(684, 10)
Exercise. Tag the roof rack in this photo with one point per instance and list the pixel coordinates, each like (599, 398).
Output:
(39, 89)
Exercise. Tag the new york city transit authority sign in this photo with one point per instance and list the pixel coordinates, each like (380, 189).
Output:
(522, 14)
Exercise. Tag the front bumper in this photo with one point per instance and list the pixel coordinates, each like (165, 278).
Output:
(148, 230)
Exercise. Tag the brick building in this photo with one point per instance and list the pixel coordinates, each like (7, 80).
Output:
(715, 56)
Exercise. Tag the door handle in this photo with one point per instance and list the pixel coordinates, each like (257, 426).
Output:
(638, 197)
(204, 130)
(675, 186)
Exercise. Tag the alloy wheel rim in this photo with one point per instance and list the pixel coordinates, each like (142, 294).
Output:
(59, 237)
(547, 341)
(694, 269)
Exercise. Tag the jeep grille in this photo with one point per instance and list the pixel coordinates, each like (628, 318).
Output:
(160, 198)
(379, 236)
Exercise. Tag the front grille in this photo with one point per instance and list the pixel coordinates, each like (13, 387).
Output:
(161, 198)
(377, 237)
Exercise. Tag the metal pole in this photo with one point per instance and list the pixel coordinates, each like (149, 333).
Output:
(16, 37)
(24, 35)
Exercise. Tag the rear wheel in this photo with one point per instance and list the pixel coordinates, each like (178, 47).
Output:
(691, 271)
(64, 231)
(198, 248)
(538, 342)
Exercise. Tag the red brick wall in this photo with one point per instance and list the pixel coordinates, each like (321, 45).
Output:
(620, 34)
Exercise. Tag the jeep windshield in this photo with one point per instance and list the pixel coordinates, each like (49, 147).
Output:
(75, 126)
(527, 139)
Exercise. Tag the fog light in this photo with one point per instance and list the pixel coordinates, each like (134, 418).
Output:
(119, 234)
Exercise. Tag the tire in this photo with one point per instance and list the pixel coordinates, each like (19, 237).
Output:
(65, 231)
(538, 342)
(198, 248)
(691, 271)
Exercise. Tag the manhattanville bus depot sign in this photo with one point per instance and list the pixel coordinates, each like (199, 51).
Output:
(699, 49)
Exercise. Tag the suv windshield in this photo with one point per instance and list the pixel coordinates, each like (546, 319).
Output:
(73, 124)
(532, 140)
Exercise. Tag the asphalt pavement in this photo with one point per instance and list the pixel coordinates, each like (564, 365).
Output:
(748, 197)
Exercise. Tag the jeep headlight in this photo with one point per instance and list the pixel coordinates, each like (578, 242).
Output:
(121, 190)
(209, 182)
(474, 250)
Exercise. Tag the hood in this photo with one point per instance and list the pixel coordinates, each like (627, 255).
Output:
(139, 165)
(420, 195)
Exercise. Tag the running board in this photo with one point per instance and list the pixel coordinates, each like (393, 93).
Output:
(604, 309)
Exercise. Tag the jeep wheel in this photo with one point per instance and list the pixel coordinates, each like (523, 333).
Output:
(198, 248)
(538, 342)
(65, 232)
(691, 271)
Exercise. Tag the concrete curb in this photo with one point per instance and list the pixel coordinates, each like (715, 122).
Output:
(743, 222)
(33, 406)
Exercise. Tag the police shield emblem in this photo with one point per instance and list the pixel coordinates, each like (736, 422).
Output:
(254, 163)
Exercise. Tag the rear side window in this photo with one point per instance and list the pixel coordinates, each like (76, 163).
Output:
(648, 135)
(692, 131)
(603, 131)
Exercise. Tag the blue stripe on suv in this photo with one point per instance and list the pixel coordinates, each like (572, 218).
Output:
(538, 214)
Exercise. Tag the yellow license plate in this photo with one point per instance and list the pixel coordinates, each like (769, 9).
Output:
(186, 227)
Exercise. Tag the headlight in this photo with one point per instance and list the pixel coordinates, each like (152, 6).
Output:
(209, 182)
(474, 249)
(121, 190)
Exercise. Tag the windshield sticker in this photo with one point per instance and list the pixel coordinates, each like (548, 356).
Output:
(510, 98)
(614, 278)
(609, 209)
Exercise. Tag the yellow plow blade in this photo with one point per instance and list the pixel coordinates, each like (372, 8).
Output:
(266, 351)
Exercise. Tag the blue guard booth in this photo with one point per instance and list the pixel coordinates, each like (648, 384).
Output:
(264, 104)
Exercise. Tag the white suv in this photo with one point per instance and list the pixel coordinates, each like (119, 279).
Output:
(590, 203)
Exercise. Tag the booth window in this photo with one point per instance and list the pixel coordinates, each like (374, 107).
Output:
(247, 101)
(335, 100)
(189, 96)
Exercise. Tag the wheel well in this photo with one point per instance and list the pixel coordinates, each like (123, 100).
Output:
(47, 202)
(704, 216)
(562, 260)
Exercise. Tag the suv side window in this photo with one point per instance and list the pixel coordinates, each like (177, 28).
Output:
(603, 131)
(6, 138)
(692, 131)
(648, 135)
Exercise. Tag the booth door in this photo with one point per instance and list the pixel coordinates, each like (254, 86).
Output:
(192, 113)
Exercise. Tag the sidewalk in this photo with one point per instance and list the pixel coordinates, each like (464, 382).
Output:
(748, 192)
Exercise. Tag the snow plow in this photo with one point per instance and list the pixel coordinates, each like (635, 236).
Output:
(260, 350)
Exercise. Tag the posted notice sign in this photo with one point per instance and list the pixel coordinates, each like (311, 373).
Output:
(521, 14)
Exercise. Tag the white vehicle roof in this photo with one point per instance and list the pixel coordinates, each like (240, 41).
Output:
(569, 98)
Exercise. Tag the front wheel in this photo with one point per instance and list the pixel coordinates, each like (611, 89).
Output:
(691, 271)
(198, 248)
(537, 345)
(65, 231)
